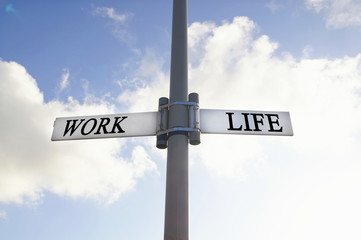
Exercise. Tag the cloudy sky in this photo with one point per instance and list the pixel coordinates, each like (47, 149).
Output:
(88, 57)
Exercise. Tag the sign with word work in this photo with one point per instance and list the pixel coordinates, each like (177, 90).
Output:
(105, 126)
(245, 122)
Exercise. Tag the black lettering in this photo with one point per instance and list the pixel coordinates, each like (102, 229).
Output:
(257, 121)
(245, 115)
(102, 125)
(272, 122)
(117, 121)
(93, 127)
(73, 127)
(230, 120)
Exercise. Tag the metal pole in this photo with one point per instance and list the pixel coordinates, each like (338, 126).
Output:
(176, 202)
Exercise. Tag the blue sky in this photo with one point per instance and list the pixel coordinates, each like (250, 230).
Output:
(70, 58)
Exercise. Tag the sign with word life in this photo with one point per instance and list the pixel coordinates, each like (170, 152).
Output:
(245, 122)
(105, 126)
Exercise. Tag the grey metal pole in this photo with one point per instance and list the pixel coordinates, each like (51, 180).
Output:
(176, 202)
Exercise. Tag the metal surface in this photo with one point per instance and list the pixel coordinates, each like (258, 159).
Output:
(194, 120)
(162, 121)
(178, 129)
(246, 122)
(105, 126)
(176, 202)
(179, 103)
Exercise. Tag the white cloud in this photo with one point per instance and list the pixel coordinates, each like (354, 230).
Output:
(151, 84)
(316, 199)
(111, 13)
(307, 51)
(64, 81)
(273, 6)
(339, 13)
(31, 164)
(118, 27)
(317, 5)
(244, 73)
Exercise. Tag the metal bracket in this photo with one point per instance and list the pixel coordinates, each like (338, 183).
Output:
(193, 128)
(179, 103)
(193, 122)
(176, 129)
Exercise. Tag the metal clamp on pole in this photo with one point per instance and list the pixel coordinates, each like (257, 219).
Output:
(162, 123)
(193, 127)
(179, 103)
(194, 120)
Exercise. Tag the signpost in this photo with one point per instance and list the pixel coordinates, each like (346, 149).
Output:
(148, 124)
(178, 122)
(245, 122)
(105, 126)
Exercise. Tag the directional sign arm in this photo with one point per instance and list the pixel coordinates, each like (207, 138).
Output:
(246, 122)
(105, 126)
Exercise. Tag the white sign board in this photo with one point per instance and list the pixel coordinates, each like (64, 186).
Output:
(245, 122)
(105, 126)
